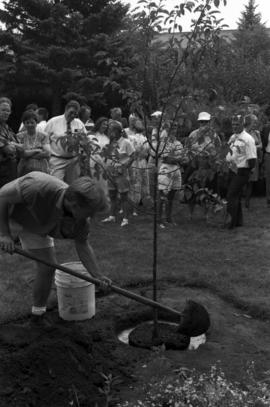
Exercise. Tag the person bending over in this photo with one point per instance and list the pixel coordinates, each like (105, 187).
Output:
(39, 207)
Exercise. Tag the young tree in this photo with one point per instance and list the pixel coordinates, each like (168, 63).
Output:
(165, 76)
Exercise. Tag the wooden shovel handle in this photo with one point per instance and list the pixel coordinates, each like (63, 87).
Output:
(116, 289)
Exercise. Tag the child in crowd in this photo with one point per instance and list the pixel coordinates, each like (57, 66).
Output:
(120, 156)
(169, 177)
(139, 177)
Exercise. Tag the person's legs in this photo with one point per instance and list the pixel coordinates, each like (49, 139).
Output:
(113, 201)
(58, 167)
(134, 192)
(162, 202)
(267, 176)
(145, 188)
(113, 198)
(124, 203)
(239, 217)
(234, 207)
(41, 247)
(169, 205)
(151, 175)
(248, 193)
(44, 276)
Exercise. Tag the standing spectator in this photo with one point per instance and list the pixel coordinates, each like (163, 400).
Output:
(31, 106)
(8, 158)
(158, 134)
(116, 115)
(265, 136)
(118, 164)
(131, 130)
(99, 141)
(139, 178)
(251, 127)
(201, 146)
(169, 177)
(35, 151)
(242, 159)
(42, 115)
(63, 131)
(85, 116)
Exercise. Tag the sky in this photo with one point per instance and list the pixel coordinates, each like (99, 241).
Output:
(231, 13)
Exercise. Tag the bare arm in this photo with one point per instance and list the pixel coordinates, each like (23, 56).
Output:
(31, 153)
(9, 195)
(87, 256)
(45, 152)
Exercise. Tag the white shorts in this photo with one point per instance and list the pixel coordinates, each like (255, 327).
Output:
(28, 239)
(169, 177)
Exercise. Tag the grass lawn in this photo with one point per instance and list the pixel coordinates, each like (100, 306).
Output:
(233, 264)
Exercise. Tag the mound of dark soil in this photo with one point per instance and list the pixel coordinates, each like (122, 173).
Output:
(58, 364)
(73, 363)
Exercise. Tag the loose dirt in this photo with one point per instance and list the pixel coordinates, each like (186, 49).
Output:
(70, 363)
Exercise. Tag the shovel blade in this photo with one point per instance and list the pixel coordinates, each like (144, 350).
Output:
(195, 319)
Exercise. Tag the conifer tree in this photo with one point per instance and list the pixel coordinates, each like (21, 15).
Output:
(252, 40)
(51, 47)
(249, 18)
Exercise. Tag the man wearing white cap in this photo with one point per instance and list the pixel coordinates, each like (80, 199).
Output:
(200, 144)
(199, 139)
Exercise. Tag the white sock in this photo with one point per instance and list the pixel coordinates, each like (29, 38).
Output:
(38, 310)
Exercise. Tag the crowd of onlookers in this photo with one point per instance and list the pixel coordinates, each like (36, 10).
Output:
(123, 155)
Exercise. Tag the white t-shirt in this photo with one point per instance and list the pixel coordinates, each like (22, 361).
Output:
(56, 128)
(129, 132)
(100, 141)
(243, 148)
(41, 126)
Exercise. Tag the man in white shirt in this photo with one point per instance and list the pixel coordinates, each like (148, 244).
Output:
(242, 158)
(62, 131)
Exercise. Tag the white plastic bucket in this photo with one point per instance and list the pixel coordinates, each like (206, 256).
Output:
(76, 297)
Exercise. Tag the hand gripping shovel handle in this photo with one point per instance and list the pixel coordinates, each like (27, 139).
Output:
(116, 289)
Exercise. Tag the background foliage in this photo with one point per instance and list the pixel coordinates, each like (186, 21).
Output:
(99, 53)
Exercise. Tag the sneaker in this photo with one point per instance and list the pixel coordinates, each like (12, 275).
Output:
(109, 219)
(124, 222)
(134, 214)
(162, 226)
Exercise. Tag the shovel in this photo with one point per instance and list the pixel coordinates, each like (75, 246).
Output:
(194, 320)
